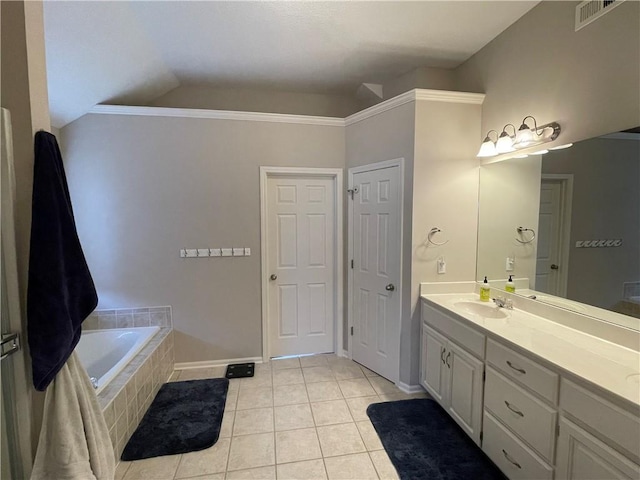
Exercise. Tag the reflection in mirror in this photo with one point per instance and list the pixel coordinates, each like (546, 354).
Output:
(583, 203)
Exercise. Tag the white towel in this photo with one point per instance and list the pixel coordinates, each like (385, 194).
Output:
(74, 441)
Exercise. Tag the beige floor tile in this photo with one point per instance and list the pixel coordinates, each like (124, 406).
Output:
(289, 394)
(358, 406)
(285, 363)
(386, 470)
(297, 445)
(369, 435)
(290, 376)
(343, 439)
(174, 377)
(262, 473)
(255, 420)
(251, 451)
(204, 462)
(212, 476)
(344, 361)
(121, 470)
(262, 379)
(351, 467)
(383, 386)
(262, 367)
(290, 417)
(314, 361)
(318, 374)
(308, 470)
(232, 400)
(357, 387)
(331, 412)
(368, 372)
(320, 392)
(392, 397)
(157, 468)
(234, 385)
(226, 428)
(346, 372)
(258, 397)
(201, 373)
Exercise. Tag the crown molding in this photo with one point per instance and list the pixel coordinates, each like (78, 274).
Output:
(216, 114)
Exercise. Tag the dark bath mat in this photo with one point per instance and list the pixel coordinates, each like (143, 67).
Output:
(423, 442)
(240, 370)
(184, 417)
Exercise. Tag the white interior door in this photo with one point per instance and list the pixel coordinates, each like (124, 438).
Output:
(549, 238)
(301, 249)
(376, 289)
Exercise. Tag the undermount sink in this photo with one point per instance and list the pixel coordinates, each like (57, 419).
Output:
(485, 311)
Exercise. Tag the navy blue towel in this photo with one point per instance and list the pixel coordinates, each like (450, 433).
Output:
(61, 293)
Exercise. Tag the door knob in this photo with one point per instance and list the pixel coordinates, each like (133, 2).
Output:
(273, 277)
(391, 287)
(554, 266)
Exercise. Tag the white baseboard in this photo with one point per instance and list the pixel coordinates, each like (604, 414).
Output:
(410, 388)
(214, 363)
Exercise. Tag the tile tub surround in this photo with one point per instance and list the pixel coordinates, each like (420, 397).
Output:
(296, 418)
(129, 318)
(125, 400)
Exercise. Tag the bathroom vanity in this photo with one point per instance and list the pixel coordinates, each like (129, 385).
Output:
(545, 392)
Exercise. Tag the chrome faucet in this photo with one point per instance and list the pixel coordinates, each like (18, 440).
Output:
(94, 382)
(502, 302)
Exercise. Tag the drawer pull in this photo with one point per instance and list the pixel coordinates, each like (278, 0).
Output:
(442, 350)
(448, 355)
(506, 455)
(514, 410)
(521, 370)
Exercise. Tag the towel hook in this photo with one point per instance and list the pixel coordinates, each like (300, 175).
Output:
(432, 232)
(521, 231)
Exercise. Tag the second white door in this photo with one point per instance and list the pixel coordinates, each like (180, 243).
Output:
(376, 238)
(301, 266)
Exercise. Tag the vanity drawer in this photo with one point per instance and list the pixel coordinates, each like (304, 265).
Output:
(527, 416)
(524, 370)
(603, 417)
(515, 459)
(464, 336)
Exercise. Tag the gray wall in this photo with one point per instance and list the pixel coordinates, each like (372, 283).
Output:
(144, 187)
(586, 80)
(606, 205)
(252, 100)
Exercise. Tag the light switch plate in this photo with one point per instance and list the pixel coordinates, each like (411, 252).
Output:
(191, 252)
(215, 252)
(238, 252)
(509, 264)
(183, 253)
(247, 252)
(442, 265)
(203, 252)
(227, 252)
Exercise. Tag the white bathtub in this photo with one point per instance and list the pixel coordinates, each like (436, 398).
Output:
(104, 353)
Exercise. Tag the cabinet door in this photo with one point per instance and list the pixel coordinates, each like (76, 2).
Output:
(465, 390)
(581, 456)
(433, 367)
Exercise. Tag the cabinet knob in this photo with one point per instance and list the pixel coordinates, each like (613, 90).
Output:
(554, 266)
(391, 287)
(273, 277)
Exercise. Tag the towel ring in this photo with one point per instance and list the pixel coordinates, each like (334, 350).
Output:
(432, 232)
(521, 230)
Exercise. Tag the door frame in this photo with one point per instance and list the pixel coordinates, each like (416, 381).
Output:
(336, 175)
(396, 162)
(564, 246)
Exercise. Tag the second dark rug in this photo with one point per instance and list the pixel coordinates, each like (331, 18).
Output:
(184, 417)
(423, 442)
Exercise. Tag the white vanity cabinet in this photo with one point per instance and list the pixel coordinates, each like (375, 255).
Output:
(451, 374)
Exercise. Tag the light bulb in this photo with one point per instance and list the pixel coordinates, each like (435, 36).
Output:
(504, 143)
(524, 136)
(487, 149)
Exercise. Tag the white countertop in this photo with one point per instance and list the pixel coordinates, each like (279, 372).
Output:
(610, 366)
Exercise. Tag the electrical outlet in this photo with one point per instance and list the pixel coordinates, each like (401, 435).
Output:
(247, 252)
(227, 252)
(510, 264)
(238, 252)
(442, 266)
(215, 252)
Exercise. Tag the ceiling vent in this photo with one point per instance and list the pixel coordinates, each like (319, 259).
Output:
(591, 10)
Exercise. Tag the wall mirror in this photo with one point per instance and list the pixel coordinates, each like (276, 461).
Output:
(566, 225)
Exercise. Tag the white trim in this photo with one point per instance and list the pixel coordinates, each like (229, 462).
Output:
(336, 173)
(216, 114)
(406, 388)
(566, 199)
(622, 136)
(215, 363)
(397, 162)
(412, 96)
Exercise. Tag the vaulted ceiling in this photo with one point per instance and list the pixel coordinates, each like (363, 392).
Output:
(133, 52)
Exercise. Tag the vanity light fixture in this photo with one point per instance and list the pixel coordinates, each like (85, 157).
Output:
(523, 137)
(562, 147)
(488, 147)
(540, 152)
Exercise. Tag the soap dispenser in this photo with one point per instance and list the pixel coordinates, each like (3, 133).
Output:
(510, 286)
(485, 291)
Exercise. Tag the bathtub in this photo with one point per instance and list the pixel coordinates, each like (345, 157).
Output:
(104, 353)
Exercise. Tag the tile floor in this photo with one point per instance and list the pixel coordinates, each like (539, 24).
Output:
(297, 418)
